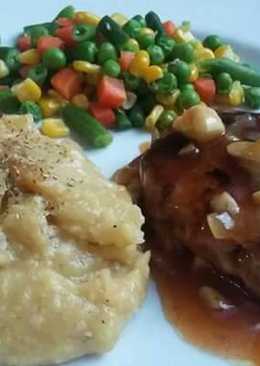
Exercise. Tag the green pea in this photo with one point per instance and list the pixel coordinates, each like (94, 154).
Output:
(167, 84)
(136, 116)
(131, 82)
(38, 74)
(32, 108)
(106, 51)
(111, 68)
(145, 39)
(185, 87)
(166, 43)
(54, 59)
(188, 98)
(132, 28)
(213, 42)
(85, 51)
(131, 45)
(122, 120)
(224, 83)
(156, 54)
(183, 51)
(181, 70)
(141, 20)
(252, 96)
(166, 119)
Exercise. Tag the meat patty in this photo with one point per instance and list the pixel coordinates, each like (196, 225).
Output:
(200, 193)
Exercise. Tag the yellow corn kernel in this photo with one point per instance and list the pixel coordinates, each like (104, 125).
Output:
(30, 57)
(119, 18)
(153, 117)
(194, 73)
(168, 100)
(27, 90)
(227, 52)
(140, 62)
(80, 100)
(152, 73)
(236, 96)
(181, 36)
(84, 17)
(49, 106)
(203, 53)
(4, 71)
(54, 127)
(85, 66)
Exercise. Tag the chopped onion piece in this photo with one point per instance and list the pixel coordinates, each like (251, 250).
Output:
(200, 123)
(219, 224)
(214, 299)
(224, 202)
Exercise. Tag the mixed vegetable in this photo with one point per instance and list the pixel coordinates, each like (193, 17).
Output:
(88, 74)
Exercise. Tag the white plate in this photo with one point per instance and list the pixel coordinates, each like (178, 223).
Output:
(148, 339)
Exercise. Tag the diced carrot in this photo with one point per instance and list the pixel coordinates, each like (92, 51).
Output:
(66, 34)
(64, 22)
(169, 28)
(67, 82)
(111, 92)
(46, 42)
(24, 43)
(106, 116)
(125, 59)
(206, 88)
(23, 71)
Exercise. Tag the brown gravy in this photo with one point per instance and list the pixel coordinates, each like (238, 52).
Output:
(233, 333)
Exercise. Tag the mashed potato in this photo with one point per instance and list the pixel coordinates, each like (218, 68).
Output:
(71, 272)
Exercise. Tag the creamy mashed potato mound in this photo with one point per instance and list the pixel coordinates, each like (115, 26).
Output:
(71, 271)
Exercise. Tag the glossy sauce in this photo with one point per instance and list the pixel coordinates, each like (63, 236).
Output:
(233, 333)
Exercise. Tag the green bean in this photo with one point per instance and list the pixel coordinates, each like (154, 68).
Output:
(153, 21)
(50, 26)
(8, 102)
(131, 82)
(86, 126)
(136, 116)
(84, 32)
(237, 71)
(140, 19)
(36, 32)
(67, 12)
(112, 31)
(10, 56)
(31, 108)
(122, 121)
(38, 74)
